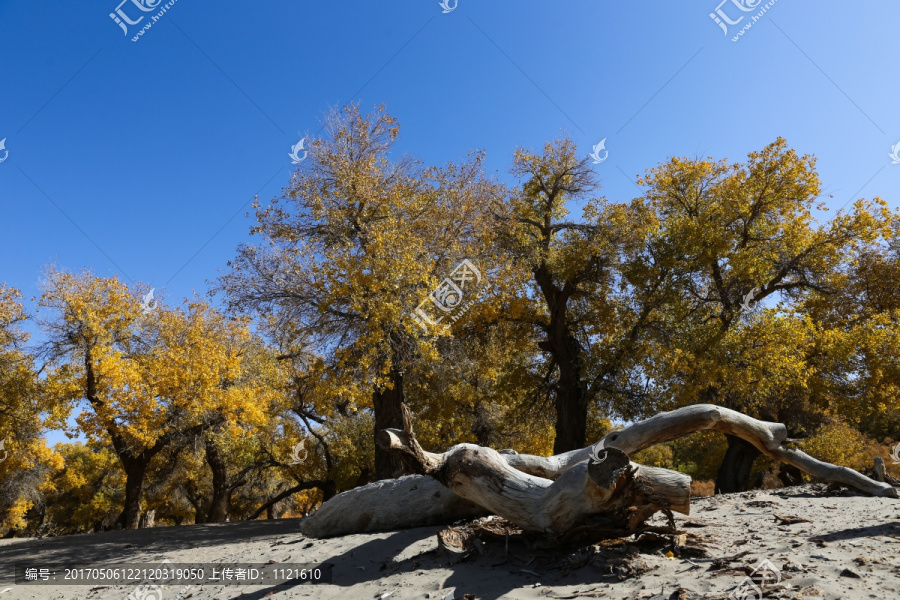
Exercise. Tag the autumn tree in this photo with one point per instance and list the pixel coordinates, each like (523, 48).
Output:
(88, 488)
(736, 237)
(489, 388)
(355, 244)
(150, 376)
(231, 449)
(861, 317)
(25, 460)
(573, 293)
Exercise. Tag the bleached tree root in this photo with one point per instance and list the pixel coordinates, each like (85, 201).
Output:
(388, 505)
(556, 495)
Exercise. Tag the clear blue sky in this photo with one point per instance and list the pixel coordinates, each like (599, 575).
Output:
(139, 159)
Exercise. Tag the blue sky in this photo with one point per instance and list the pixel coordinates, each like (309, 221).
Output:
(139, 159)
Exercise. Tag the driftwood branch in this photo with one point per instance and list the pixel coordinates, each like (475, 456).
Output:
(613, 494)
(561, 496)
(769, 438)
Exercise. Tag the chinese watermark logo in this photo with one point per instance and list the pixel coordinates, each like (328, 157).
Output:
(596, 153)
(123, 20)
(595, 453)
(750, 302)
(445, 4)
(895, 453)
(723, 19)
(295, 151)
(448, 296)
(3, 148)
(895, 153)
(5, 453)
(295, 452)
(751, 588)
(148, 304)
(146, 592)
(151, 591)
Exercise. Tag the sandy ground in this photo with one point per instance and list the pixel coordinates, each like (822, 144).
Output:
(850, 549)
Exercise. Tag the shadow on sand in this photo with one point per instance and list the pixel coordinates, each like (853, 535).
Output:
(134, 546)
(488, 577)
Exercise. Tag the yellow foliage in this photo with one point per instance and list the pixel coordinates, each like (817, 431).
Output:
(716, 285)
(147, 375)
(840, 444)
(25, 459)
(87, 487)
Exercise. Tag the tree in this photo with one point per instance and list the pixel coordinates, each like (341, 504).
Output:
(732, 237)
(238, 444)
(150, 378)
(87, 489)
(488, 389)
(354, 245)
(583, 319)
(25, 461)
(860, 318)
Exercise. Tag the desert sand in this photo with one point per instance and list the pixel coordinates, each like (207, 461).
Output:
(849, 549)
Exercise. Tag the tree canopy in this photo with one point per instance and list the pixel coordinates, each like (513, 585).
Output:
(529, 313)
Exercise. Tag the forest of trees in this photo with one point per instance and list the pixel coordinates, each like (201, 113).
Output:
(534, 316)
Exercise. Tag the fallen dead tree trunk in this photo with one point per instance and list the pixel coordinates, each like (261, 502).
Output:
(559, 495)
(610, 496)
(388, 505)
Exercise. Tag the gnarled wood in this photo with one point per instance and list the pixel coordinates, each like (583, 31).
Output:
(388, 505)
(769, 438)
(557, 495)
(614, 494)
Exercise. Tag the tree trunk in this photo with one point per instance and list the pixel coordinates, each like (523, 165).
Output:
(483, 427)
(790, 475)
(196, 499)
(558, 495)
(570, 388)
(571, 395)
(148, 519)
(734, 472)
(365, 477)
(387, 405)
(221, 494)
(612, 495)
(135, 469)
(404, 503)
(327, 487)
(571, 413)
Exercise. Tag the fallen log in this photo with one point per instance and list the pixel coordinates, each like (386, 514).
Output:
(388, 505)
(611, 494)
(556, 495)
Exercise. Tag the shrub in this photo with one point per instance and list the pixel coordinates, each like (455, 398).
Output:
(702, 489)
(840, 444)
